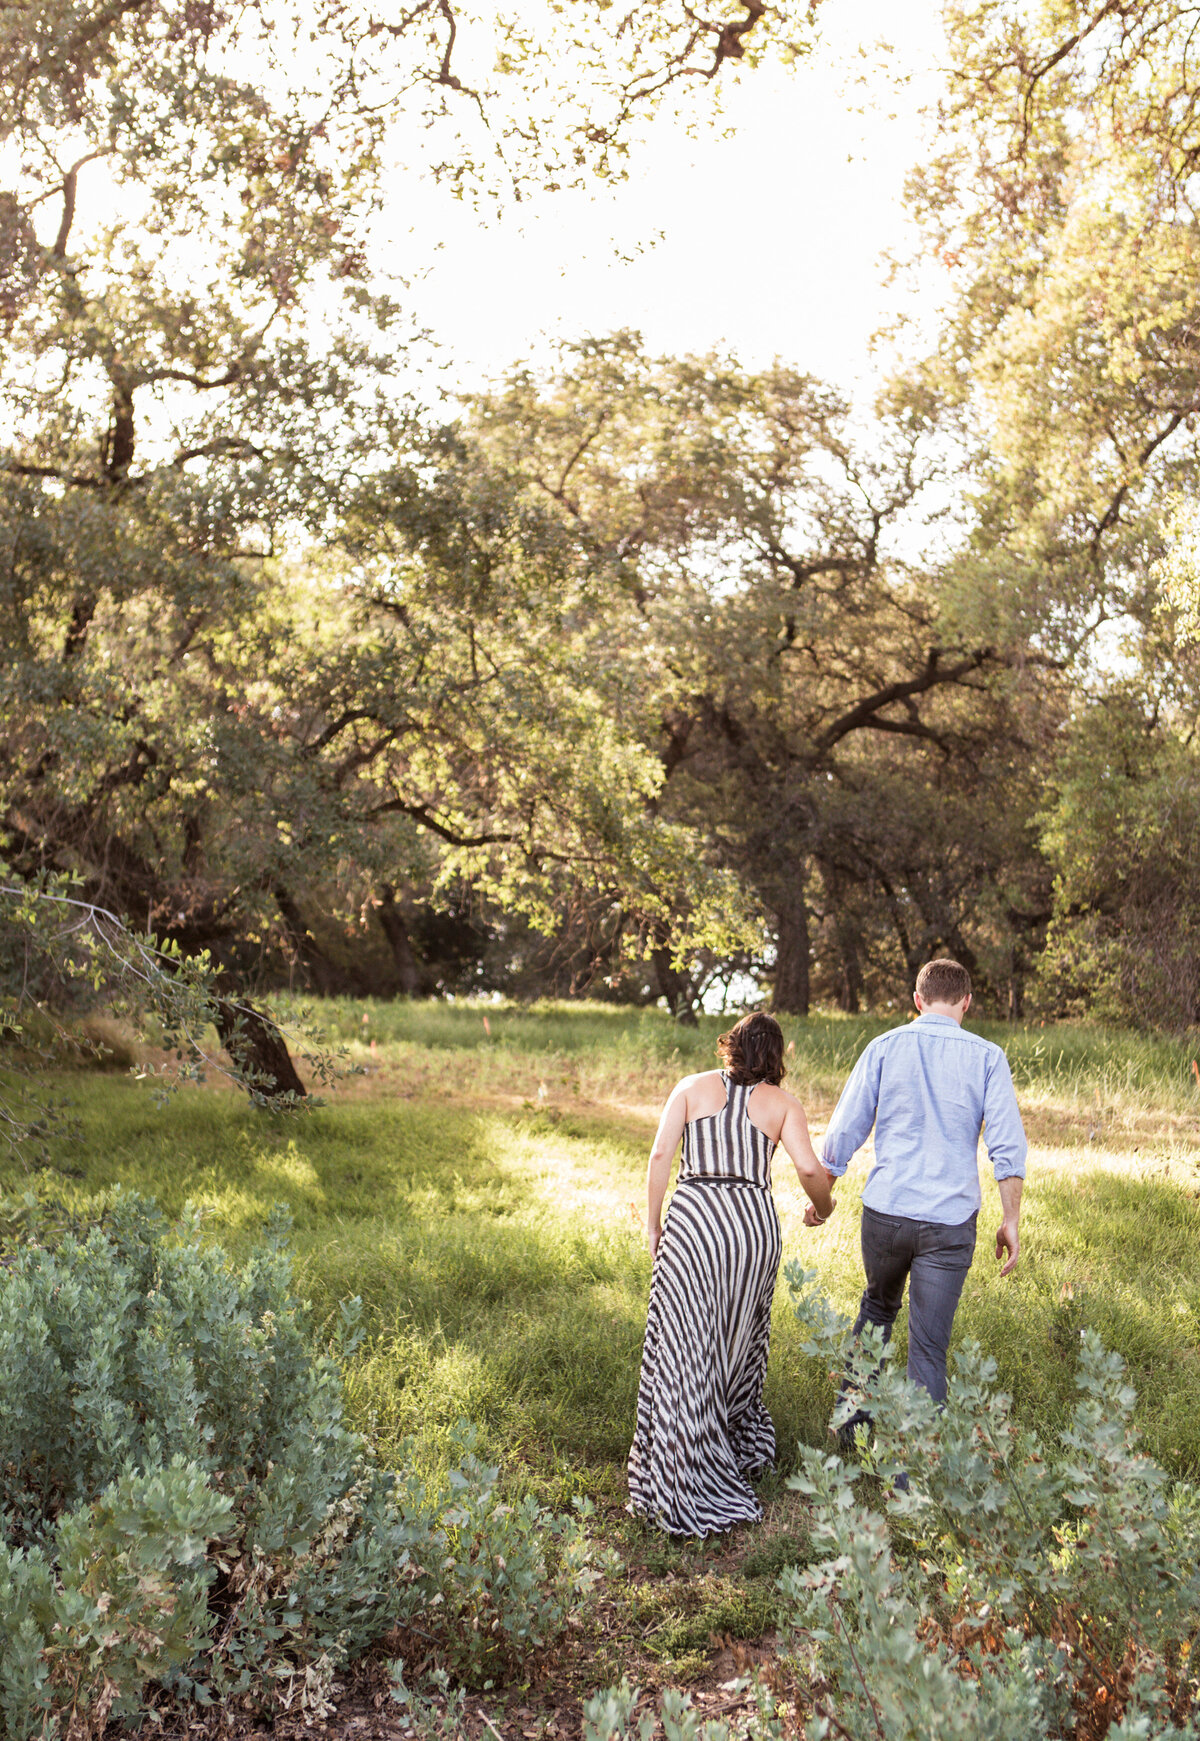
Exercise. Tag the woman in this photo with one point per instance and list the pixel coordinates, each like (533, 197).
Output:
(702, 1430)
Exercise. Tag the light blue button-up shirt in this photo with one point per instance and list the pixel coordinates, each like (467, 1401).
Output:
(928, 1089)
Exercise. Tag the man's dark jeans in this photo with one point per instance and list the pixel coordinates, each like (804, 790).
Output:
(937, 1259)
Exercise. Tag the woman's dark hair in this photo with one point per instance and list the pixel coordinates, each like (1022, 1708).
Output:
(752, 1050)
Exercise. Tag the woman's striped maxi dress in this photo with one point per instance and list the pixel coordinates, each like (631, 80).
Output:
(701, 1425)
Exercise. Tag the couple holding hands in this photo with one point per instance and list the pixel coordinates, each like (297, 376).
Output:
(927, 1089)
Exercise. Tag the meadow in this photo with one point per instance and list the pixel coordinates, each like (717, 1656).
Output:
(481, 1183)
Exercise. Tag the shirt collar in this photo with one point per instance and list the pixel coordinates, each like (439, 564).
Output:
(943, 1021)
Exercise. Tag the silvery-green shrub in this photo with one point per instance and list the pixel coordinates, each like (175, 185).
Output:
(184, 1502)
(513, 1575)
(609, 1716)
(120, 1583)
(990, 1586)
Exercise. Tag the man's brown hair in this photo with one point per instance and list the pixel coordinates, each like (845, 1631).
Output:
(752, 1050)
(943, 981)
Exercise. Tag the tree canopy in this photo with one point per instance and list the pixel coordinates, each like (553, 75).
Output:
(1062, 203)
(640, 673)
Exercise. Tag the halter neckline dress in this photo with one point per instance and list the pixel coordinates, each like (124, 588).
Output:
(702, 1430)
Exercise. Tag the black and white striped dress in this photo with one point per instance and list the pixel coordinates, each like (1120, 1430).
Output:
(701, 1425)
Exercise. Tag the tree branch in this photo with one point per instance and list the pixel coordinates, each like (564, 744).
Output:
(69, 189)
(863, 712)
(729, 44)
(911, 728)
(1034, 75)
(76, 479)
(214, 449)
(421, 814)
(1149, 448)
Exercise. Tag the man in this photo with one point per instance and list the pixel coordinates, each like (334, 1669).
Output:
(928, 1089)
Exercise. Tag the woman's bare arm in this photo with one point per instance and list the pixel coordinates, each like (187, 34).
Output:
(814, 1180)
(658, 1173)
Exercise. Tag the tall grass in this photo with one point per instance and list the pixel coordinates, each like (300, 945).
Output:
(602, 1046)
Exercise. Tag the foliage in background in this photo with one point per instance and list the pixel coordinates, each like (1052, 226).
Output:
(1124, 838)
(62, 957)
(647, 675)
(644, 676)
(185, 1507)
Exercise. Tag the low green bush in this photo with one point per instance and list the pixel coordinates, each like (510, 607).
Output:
(997, 1587)
(513, 1577)
(609, 1716)
(184, 1503)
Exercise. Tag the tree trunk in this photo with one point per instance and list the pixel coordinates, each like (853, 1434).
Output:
(847, 938)
(674, 986)
(912, 955)
(258, 1048)
(790, 991)
(965, 954)
(321, 973)
(391, 919)
(1016, 988)
(850, 991)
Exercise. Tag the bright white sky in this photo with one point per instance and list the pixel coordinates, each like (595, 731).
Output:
(767, 243)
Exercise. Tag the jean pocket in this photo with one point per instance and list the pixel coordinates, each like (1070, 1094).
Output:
(958, 1250)
(876, 1217)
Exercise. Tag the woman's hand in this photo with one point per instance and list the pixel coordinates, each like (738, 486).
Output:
(812, 1219)
(653, 1235)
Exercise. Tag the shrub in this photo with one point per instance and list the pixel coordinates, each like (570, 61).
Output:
(424, 1717)
(184, 1502)
(995, 1589)
(514, 1577)
(122, 1583)
(609, 1716)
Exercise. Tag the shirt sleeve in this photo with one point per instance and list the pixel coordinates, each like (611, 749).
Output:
(1003, 1131)
(854, 1113)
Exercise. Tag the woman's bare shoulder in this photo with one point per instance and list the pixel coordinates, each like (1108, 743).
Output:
(689, 1084)
(695, 1078)
(778, 1098)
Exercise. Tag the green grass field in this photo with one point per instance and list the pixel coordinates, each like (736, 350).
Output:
(480, 1188)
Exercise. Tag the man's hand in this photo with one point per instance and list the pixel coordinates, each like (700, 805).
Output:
(1008, 1239)
(812, 1219)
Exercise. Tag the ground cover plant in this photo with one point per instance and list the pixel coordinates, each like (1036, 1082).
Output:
(186, 1509)
(969, 1580)
(999, 1585)
(475, 1189)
